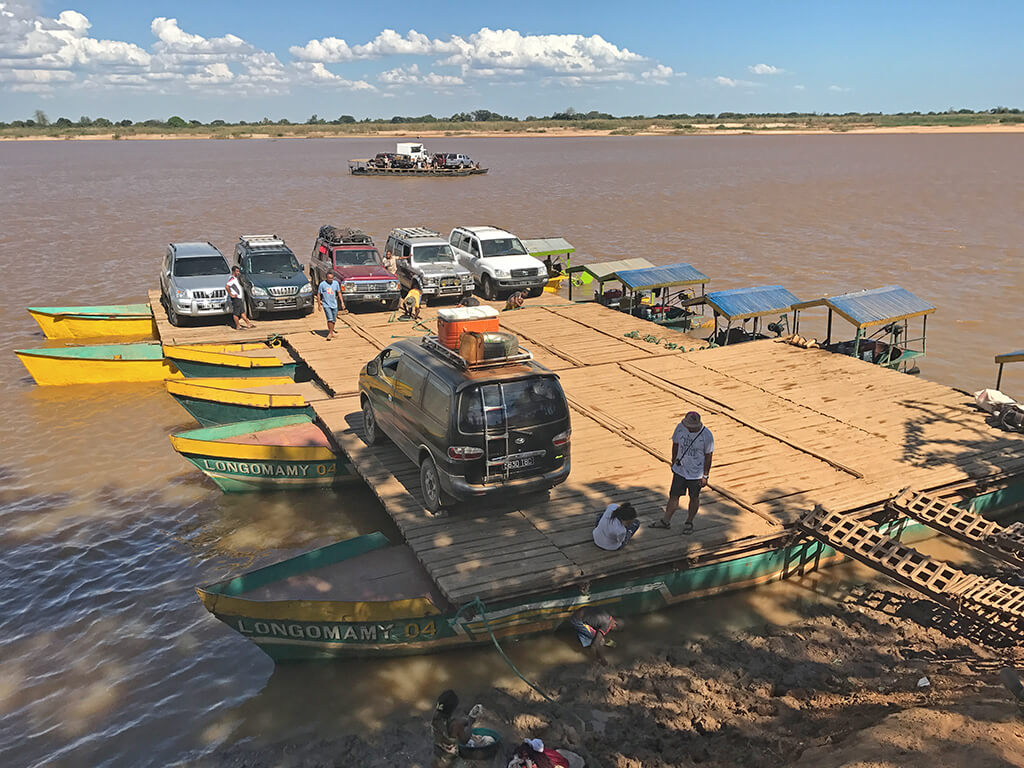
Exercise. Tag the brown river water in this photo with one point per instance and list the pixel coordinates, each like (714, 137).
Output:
(106, 655)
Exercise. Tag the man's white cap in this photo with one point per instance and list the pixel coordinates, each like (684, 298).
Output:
(535, 744)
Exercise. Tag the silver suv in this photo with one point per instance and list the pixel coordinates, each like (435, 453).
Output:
(423, 256)
(193, 282)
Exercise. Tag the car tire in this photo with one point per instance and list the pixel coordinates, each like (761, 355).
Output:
(371, 429)
(487, 288)
(172, 316)
(430, 486)
(535, 292)
(250, 310)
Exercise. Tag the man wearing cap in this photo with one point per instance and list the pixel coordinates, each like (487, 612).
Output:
(692, 448)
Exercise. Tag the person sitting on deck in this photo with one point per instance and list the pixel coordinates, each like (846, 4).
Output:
(411, 302)
(592, 625)
(615, 526)
(515, 301)
(448, 730)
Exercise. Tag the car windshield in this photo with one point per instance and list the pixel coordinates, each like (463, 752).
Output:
(197, 266)
(528, 403)
(364, 258)
(266, 263)
(432, 254)
(507, 246)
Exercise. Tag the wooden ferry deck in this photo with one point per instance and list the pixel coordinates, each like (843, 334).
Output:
(793, 428)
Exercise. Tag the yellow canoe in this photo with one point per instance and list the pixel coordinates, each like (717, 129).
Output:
(133, 321)
(100, 364)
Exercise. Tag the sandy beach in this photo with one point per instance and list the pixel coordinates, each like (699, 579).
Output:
(726, 129)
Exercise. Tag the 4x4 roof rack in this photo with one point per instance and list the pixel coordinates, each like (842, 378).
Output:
(434, 345)
(411, 232)
(262, 241)
(478, 227)
(344, 235)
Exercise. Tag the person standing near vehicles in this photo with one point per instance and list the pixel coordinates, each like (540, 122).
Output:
(236, 295)
(693, 446)
(328, 296)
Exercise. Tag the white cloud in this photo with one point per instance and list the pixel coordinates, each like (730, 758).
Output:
(411, 76)
(317, 74)
(765, 69)
(728, 82)
(838, 88)
(217, 73)
(799, 87)
(660, 74)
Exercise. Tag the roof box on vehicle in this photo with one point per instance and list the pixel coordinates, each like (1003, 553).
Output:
(344, 235)
(452, 322)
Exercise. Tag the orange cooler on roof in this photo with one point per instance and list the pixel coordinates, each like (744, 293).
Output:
(452, 322)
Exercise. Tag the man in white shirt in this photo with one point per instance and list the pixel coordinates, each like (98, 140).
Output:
(237, 296)
(692, 448)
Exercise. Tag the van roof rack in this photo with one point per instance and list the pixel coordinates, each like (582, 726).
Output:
(414, 232)
(344, 235)
(434, 345)
(262, 241)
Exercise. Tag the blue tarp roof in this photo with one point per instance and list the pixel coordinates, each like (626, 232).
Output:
(876, 306)
(752, 302)
(656, 277)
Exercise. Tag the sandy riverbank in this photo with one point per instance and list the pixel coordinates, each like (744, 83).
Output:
(726, 129)
(842, 688)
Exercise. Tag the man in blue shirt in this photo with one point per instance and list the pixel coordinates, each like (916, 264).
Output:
(328, 296)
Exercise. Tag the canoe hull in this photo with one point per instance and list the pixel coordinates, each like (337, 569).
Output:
(210, 413)
(247, 475)
(50, 370)
(300, 630)
(131, 321)
(194, 369)
(227, 361)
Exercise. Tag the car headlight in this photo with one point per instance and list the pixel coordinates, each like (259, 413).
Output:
(430, 281)
(306, 289)
(503, 273)
(467, 278)
(183, 294)
(348, 285)
(257, 291)
(393, 286)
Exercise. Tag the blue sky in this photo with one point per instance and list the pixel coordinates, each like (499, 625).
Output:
(230, 60)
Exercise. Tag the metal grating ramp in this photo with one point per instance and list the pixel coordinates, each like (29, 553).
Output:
(987, 600)
(1006, 544)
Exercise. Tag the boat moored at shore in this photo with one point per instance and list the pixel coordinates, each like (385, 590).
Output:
(215, 401)
(126, 321)
(281, 453)
(230, 360)
(98, 364)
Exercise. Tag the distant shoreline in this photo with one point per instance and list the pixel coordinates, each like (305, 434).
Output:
(325, 132)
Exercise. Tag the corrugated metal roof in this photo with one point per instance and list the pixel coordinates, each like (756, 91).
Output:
(752, 302)
(548, 246)
(603, 269)
(875, 306)
(656, 277)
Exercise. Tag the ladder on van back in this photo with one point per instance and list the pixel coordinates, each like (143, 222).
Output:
(490, 461)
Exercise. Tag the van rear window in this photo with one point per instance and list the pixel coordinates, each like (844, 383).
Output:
(528, 403)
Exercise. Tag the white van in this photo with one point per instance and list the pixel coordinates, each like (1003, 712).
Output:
(413, 150)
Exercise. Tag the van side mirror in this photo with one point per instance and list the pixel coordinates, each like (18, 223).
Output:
(373, 368)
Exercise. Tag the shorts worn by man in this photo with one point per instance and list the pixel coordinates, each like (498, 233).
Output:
(692, 448)
(237, 297)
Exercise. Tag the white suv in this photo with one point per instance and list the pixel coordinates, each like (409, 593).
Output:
(498, 261)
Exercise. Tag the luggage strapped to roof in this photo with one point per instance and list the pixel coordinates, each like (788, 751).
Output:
(344, 235)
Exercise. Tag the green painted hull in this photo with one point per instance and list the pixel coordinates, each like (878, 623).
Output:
(211, 414)
(196, 370)
(247, 475)
(285, 639)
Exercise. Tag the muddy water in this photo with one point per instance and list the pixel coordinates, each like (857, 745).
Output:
(106, 656)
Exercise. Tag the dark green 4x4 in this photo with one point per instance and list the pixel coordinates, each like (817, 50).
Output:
(272, 277)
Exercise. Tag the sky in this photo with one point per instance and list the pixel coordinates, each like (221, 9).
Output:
(220, 59)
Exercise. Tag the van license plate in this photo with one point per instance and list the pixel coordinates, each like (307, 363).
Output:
(524, 463)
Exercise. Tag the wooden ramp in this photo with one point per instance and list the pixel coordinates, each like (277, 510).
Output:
(986, 600)
(1006, 544)
(219, 330)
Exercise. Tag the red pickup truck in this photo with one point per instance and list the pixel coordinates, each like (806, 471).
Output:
(357, 264)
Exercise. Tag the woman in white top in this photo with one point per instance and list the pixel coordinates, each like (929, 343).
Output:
(615, 526)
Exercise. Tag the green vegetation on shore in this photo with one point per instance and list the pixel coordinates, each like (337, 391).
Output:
(482, 120)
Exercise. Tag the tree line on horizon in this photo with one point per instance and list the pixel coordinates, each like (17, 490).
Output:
(41, 120)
